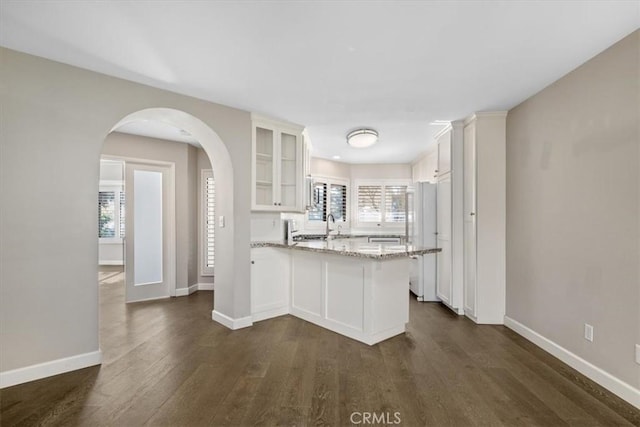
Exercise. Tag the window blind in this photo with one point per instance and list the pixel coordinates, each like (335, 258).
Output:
(369, 203)
(106, 214)
(210, 221)
(122, 212)
(318, 211)
(395, 203)
(339, 202)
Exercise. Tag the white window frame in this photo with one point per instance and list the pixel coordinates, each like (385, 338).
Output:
(116, 187)
(322, 225)
(381, 183)
(202, 221)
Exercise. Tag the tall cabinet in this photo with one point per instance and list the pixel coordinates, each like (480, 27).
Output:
(277, 166)
(449, 286)
(484, 213)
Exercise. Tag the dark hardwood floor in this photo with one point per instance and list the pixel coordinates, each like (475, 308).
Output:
(168, 363)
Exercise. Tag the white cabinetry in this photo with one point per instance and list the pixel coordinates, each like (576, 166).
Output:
(425, 169)
(270, 282)
(443, 218)
(444, 153)
(360, 298)
(277, 166)
(449, 285)
(484, 214)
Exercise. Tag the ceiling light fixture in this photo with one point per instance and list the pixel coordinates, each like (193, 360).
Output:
(362, 138)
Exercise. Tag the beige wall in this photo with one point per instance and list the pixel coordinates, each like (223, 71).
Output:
(573, 193)
(187, 175)
(55, 119)
(333, 169)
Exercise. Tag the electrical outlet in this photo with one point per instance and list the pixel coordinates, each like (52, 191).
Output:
(221, 221)
(638, 354)
(588, 332)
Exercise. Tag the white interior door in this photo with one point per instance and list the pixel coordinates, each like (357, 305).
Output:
(150, 235)
(470, 216)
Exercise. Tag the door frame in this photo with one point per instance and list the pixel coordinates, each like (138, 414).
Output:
(171, 219)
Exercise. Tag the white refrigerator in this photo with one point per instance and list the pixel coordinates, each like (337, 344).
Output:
(421, 231)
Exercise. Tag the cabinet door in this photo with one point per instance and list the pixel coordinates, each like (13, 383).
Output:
(264, 167)
(289, 169)
(443, 208)
(469, 212)
(269, 281)
(444, 154)
(431, 167)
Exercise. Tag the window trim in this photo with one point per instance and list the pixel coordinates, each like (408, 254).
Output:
(322, 225)
(381, 183)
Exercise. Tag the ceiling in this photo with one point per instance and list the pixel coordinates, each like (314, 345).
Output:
(331, 66)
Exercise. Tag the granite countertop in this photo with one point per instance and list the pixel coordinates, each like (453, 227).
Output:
(348, 236)
(379, 251)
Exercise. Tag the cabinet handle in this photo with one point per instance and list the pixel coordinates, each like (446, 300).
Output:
(253, 262)
(472, 213)
(275, 204)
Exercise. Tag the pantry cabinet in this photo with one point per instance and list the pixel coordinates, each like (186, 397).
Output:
(277, 166)
(484, 216)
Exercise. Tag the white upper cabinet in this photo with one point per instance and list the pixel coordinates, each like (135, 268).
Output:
(444, 152)
(277, 166)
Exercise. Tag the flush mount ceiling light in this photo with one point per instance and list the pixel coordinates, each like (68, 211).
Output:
(362, 138)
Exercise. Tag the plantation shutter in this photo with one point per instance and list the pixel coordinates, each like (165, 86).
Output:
(395, 199)
(121, 208)
(106, 214)
(339, 202)
(209, 204)
(319, 210)
(369, 203)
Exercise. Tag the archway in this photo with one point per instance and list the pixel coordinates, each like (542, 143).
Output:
(221, 163)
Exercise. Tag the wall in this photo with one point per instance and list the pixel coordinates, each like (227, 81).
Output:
(330, 168)
(187, 174)
(55, 119)
(573, 194)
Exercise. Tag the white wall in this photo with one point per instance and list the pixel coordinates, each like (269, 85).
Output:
(573, 211)
(55, 120)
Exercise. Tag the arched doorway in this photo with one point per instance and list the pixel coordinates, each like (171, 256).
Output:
(221, 163)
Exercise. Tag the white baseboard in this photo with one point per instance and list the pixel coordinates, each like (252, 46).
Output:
(183, 292)
(269, 314)
(205, 286)
(111, 262)
(229, 322)
(47, 369)
(618, 387)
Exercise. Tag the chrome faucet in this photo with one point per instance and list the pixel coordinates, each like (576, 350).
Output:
(328, 229)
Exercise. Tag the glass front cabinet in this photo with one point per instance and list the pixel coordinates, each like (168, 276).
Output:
(278, 178)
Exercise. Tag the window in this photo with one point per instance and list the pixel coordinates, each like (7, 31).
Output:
(330, 196)
(381, 203)
(208, 203)
(106, 214)
(111, 208)
(395, 199)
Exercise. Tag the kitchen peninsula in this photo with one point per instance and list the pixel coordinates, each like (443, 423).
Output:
(357, 289)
